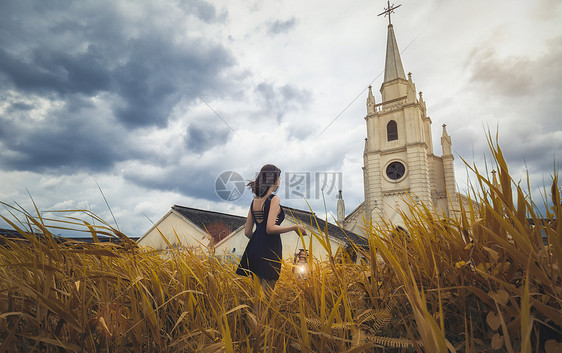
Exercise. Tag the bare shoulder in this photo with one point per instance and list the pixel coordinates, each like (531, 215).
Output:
(275, 200)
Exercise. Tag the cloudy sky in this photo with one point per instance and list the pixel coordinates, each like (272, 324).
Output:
(153, 100)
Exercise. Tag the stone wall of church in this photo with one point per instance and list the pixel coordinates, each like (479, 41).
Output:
(427, 133)
(438, 191)
(394, 203)
(449, 180)
(373, 182)
(394, 89)
(436, 176)
(419, 172)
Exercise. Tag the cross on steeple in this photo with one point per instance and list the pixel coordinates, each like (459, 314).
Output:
(388, 10)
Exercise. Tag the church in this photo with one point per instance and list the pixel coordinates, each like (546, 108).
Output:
(399, 164)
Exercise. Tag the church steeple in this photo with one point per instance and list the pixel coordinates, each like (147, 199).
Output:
(393, 68)
(395, 84)
(370, 102)
(398, 159)
(341, 209)
(446, 142)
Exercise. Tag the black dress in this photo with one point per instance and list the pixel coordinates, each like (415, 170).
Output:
(264, 251)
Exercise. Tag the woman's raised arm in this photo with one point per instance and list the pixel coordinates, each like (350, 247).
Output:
(273, 228)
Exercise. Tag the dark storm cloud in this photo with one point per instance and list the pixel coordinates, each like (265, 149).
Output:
(192, 181)
(19, 106)
(200, 138)
(148, 78)
(108, 72)
(73, 140)
(537, 152)
(145, 98)
(47, 72)
(278, 27)
(160, 75)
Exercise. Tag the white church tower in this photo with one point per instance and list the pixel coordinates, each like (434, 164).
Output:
(399, 163)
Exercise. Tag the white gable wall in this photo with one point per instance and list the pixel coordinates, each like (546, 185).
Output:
(355, 221)
(170, 225)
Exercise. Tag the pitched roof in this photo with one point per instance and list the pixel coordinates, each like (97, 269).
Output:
(309, 218)
(217, 224)
(9, 233)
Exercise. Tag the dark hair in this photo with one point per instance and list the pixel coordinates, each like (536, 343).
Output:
(267, 177)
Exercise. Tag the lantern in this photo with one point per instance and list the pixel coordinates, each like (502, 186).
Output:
(300, 265)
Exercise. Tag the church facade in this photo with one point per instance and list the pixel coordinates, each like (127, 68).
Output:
(399, 164)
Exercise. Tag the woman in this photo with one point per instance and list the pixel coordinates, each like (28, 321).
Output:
(264, 251)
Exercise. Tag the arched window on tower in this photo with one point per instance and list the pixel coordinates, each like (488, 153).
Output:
(392, 131)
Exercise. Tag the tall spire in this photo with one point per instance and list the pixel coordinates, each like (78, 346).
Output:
(446, 142)
(370, 102)
(393, 68)
(341, 209)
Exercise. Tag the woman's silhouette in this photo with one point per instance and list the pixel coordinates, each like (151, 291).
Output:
(264, 251)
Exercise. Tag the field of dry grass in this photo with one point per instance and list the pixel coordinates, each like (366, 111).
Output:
(483, 281)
